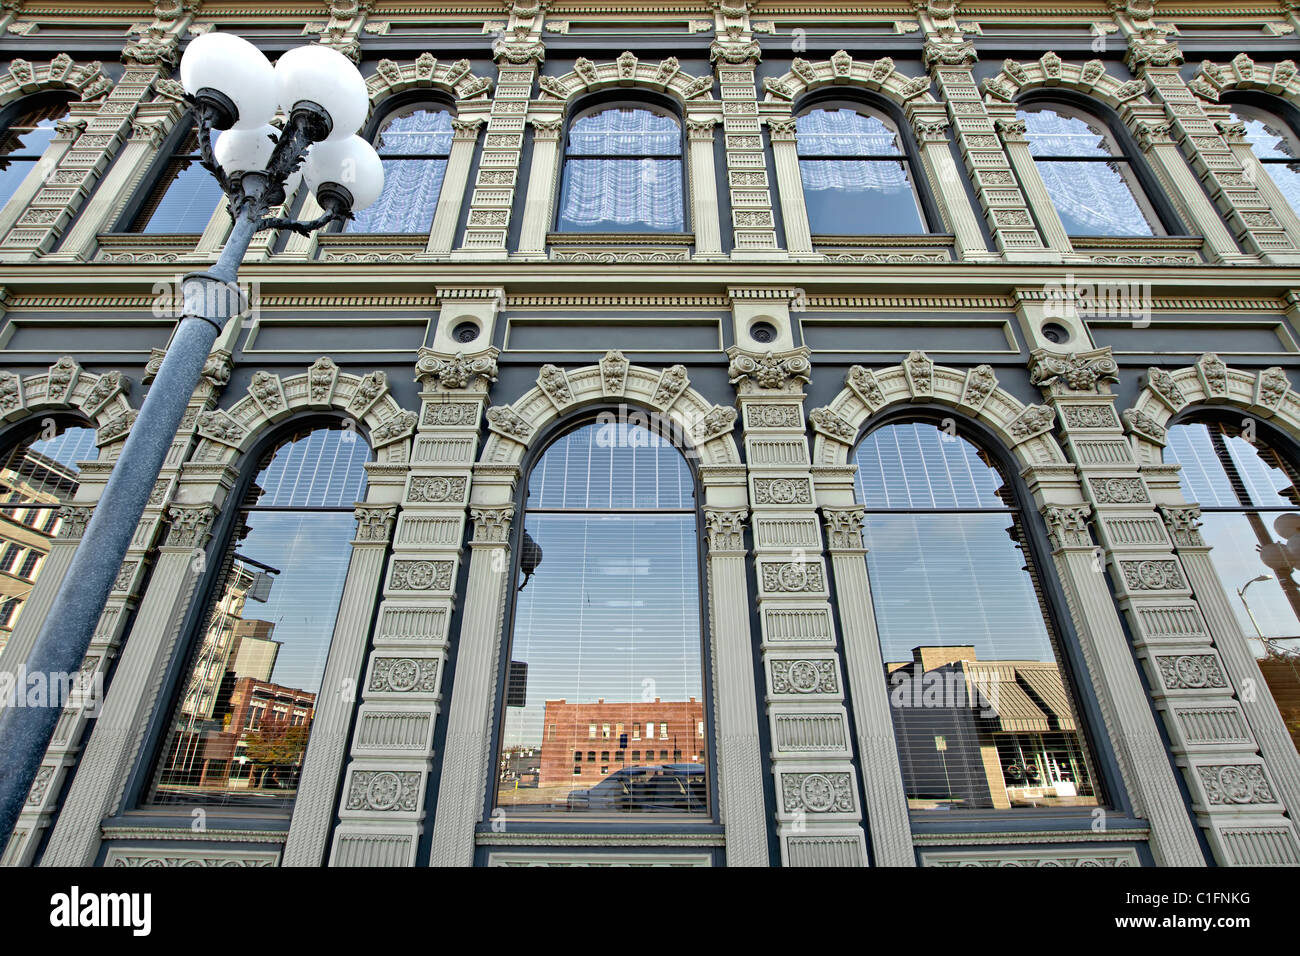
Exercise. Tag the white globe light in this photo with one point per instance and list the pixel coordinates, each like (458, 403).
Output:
(320, 75)
(1275, 557)
(1287, 525)
(233, 66)
(245, 150)
(351, 163)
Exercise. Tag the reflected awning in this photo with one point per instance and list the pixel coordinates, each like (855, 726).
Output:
(1046, 683)
(1016, 711)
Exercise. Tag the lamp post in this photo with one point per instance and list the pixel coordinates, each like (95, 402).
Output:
(1241, 593)
(232, 87)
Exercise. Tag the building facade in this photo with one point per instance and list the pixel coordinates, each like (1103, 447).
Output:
(742, 433)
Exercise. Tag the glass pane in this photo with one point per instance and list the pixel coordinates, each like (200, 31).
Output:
(239, 732)
(625, 132)
(1265, 597)
(190, 198)
(844, 132)
(23, 143)
(860, 197)
(604, 709)
(37, 477)
(1095, 199)
(1268, 136)
(611, 465)
(409, 199)
(983, 713)
(12, 174)
(622, 195)
(1287, 177)
(1220, 469)
(1052, 133)
(917, 466)
(607, 633)
(323, 468)
(417, 132)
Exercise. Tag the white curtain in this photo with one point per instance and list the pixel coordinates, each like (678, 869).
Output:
(826, 134)
(642, 191)
(1269, 142)
(411, 185)
(1092, 197)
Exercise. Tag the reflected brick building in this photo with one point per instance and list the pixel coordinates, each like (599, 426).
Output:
(582, 743)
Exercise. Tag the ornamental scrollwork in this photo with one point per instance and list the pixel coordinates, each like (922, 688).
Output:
(1075, 372)
(725, 529)
(435, 370)
(1183, 522)
(785, 371)
(1067, 526)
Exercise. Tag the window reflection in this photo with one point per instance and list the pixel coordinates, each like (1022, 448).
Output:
(856, 176)
(23, 143)
(239, 731)
(37, 477)
(1251, 519)
(1276, 146)
(984, 716)
(185, 195)
(415, 144)
(1092, 184)
(604, 708)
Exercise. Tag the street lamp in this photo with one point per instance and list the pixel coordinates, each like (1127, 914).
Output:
(1241, 593)
(231, 87)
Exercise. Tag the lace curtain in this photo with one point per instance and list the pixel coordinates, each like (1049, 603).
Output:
(1093, 198)
(422, 138)
(642, 191)
(826, 134)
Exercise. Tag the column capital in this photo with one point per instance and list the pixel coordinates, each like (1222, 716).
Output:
(374, 523)
(844, 528)
(74, 521)
(546, 130)
(782, 129)
(438, 370)
(465, 130)
(492, 525)
(752, 373)
(1058, 373)
(725, 528)
(1183, 522)
(1067, 526)
(190, 526)
(1012, 130)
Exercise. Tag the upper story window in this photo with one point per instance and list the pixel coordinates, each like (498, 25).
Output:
(41, 474)
(184, 195)
(1092, 183)
(984, 714)
(415, 142)
(857, 178)
(1276, 145)
(265, 635)
(623, 172)
(610, 630)
(1249, 495)
(23, 142)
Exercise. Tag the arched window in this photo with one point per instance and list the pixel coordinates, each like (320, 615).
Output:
(238, 731)
(415, 142)
(23, 141)
(607, 642)
(1276, 145)
(38, 476)
(1092, 183)
(1250, 507)
(623, 172)
(857, 178)
(984, 713)
(184, 194)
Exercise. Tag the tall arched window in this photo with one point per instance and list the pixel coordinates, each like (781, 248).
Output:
(857, 178)
(1250, 507)
(415, 142)
(623, 172)
(38, 476)
(1091, 181)
(984, 712)
(23, 141)
(184, 194)
(1276, 145)
(604, 702)
(238, 731)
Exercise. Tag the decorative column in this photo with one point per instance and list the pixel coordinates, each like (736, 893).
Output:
(518, 57)
(930, 124)
(313, 811)
(740, 761)
(381, 815)
(704, 186)
(38, 180)
(1012, 133)
(117, 737)
(467, 758)
(1234, 192)
(442, 232)
(538, 206)
(789, 184)
(882, 778)
(1275, 744)
(818, 810)
(1232, 792)
(735, 56)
